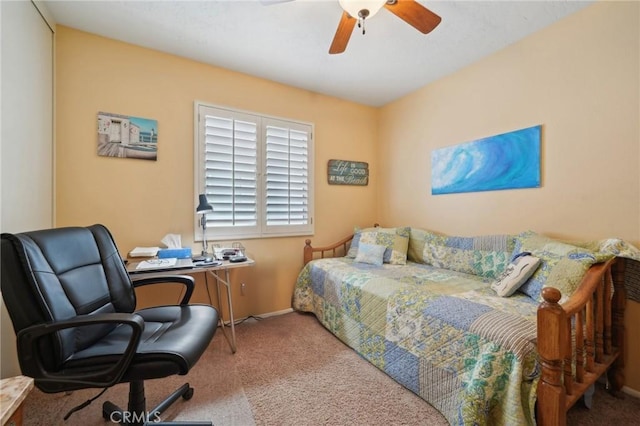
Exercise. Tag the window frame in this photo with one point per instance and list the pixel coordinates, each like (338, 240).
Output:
(261, 230)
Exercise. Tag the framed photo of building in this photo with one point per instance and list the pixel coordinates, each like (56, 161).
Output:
(123, 136)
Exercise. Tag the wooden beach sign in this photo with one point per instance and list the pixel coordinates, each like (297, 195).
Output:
(344, 172)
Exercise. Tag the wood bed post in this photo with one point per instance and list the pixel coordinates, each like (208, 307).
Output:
(552, 323)
(308, 251)
(616, 372)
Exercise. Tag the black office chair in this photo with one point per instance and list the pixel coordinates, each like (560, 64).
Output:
(72, 305)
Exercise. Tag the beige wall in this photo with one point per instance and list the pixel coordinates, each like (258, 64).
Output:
(579, 78)
(141, 201)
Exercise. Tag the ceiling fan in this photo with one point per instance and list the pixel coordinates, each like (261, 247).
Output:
(358, 11)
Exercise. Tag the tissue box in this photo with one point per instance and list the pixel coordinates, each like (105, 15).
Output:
(179, 253)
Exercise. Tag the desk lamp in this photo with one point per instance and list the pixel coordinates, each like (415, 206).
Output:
(203, 208)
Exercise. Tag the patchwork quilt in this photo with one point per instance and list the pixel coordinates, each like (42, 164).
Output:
(444, 335)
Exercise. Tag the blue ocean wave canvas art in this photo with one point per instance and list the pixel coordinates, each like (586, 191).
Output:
(506, 161)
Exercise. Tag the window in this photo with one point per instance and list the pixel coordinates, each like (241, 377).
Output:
(256, 171)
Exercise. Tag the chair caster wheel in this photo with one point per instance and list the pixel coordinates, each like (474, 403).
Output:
(108, 408)
(188, 394)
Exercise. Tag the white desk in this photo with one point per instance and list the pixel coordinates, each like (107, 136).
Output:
(214, 271)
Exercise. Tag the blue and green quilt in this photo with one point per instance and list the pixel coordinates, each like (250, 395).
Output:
(444, 335)
(439, 329)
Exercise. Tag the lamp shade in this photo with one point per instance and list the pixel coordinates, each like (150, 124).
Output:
(204, 206)
(353, 7)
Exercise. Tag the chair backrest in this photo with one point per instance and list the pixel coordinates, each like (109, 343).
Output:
(57, 274)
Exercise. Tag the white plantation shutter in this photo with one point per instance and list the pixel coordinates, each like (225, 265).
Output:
(256, 172)
(287, 175)
(231, 170)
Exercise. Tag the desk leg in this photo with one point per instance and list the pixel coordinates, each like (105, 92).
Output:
(227, 283)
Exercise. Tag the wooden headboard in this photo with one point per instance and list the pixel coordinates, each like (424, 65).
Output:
(334, 250)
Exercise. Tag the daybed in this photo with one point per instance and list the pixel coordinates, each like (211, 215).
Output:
(426, 315)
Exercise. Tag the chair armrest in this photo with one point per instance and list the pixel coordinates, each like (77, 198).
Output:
(188, 282)
(27, 340)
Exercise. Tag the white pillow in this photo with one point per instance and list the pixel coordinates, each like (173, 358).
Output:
(370, 253)
(516, 274)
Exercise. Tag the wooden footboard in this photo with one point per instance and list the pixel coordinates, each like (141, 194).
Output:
(580, 340)
(577, 341)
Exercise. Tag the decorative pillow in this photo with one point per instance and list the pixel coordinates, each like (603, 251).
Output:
(486, 256)
(353, 248)
(370, 253)
(562, 265)
(396, 241)
(517, 272)
(417, 240)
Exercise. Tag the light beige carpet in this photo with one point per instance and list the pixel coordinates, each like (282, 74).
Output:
(288, 371)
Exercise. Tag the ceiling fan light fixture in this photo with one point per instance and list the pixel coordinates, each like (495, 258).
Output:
(359, 11)
(353, 7)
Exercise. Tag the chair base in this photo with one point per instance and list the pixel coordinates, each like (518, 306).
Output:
(136, 414)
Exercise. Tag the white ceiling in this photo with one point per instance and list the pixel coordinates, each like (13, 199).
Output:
(288, 42)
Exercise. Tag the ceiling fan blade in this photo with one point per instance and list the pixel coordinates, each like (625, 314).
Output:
(343, 34)
(414, 14)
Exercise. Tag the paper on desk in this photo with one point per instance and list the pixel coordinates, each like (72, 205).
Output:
(157, 263)
(144, 251)
(172, 241)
